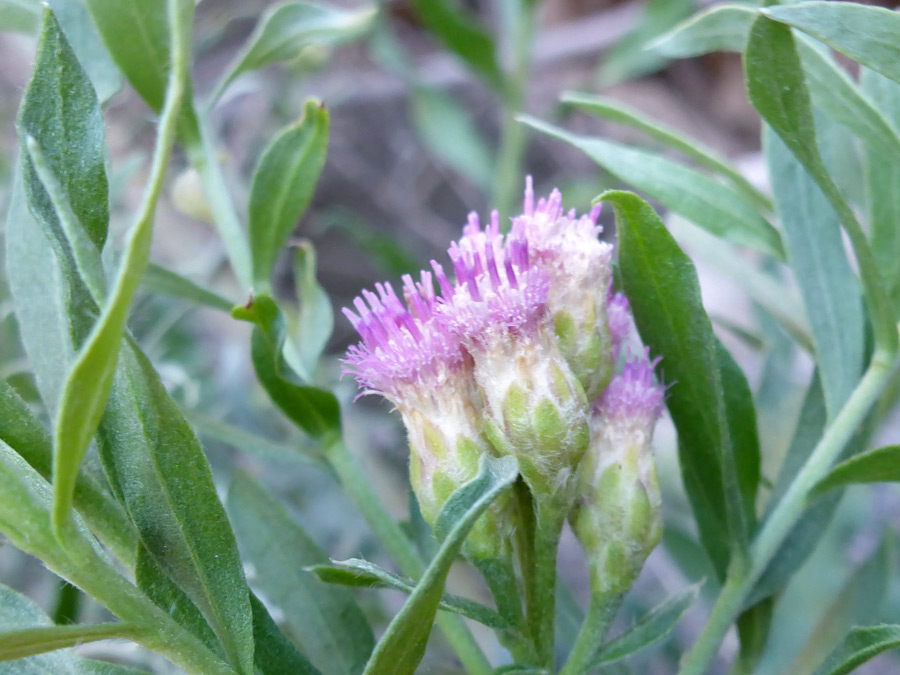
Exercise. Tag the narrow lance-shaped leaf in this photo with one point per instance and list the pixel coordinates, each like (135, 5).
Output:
(882, 171)
(866, 34)
(158, 470)
(661, 284)
(61, 112)
(777, 88)
(714, 206)
(136, 34)
(860, 645)
(723, 28)
(88, 382)
(287, 28)
(463, 35)
(828, 285)
(274, 653)
(650, 628)
(25, 642)
(609, 109)
(166, 282)
(402, 646)
(314, 410)
(361, 573)
(335, 636)
(881, 465)
(283, 184)
(316, 317)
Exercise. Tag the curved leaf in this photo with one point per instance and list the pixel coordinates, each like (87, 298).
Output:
(866, 34)
(26, 642)
(283, 184)
(402, 646)
(723, 28)
(335, 636)
(860, 645)
(361, 573)
(881, 465)
(650, 628)
(712, 205)
(661, 284)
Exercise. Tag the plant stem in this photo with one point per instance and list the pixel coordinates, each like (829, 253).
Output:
(788, 511)
(501, 580)
(542, 613)
(512, 139)
(600, 615)
(200, 146)
(359, 487)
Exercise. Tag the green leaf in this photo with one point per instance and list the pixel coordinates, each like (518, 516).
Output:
(336, 636)
(18, 611)
(314, 410)
(19, 16)
(82, 35)
(447, 129)
(26, 642)
(661, 284)
(630, 57)
(24, 433)
(61, 112)
(160, 280)
(315, 322)
(753, 627)
(463, 35)
(402, 646)
(712, 205)
(361, 573)
(283, 184)
(881, 465)
(295, 453)
(608, 109)
(866, 34)
(860, 645)
(859, 600)
(165, 593)
(827, 283)
(137, 36)
(836, 94)
(650, 629)
(740, 412)
(723, 28)
(882, 172)
(777, 89)
(287, 28)
(274, 653)
(159, 471)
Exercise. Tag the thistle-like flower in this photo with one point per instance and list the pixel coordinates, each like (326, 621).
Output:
(419, 366)
(577, 264)
(617, 513)
(534, 406)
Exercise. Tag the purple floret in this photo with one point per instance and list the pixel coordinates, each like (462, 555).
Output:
(633, 394)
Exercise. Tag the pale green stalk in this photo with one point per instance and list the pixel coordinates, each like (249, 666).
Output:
(501, 580)
(793, 504)
(601, 612)
(359, 488)
(549, 521)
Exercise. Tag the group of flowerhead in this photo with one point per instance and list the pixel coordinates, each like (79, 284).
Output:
(517, 356)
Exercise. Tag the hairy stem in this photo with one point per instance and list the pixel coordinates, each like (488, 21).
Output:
(601, 612)
(501, 580)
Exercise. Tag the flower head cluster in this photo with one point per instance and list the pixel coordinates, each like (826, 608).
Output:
(508, 356)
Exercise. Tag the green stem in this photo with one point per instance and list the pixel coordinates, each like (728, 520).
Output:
(788, 511)
(600, 615)
(512, 139)
(200, 145)
(359, 487)
(542, 614)
(501, 580)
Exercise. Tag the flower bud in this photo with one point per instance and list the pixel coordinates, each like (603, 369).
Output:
(578, 269)
(617, 514)
(534, 406)
(411, 360)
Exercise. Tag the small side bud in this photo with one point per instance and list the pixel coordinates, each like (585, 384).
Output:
(617, 517)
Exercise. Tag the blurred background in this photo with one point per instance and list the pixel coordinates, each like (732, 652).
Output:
(415, 136)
